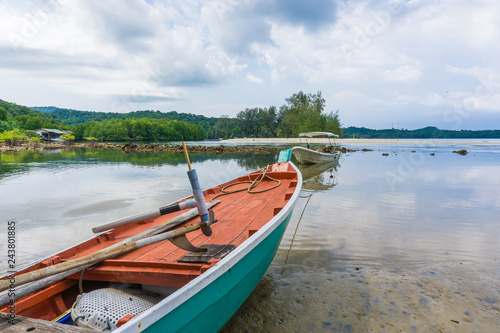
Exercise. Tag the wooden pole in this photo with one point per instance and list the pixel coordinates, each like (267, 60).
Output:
(172, 223)
(25, 324)
(137, 218)
(186, 153)
(94, 258)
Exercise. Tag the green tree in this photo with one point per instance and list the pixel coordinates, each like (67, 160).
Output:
(248, 121)
(67, 137)
(333, 124)
(266, 122)
(222, 128)
(34, 138)
(304, 113)
(141, 129)
(3, 114)
(13, 137)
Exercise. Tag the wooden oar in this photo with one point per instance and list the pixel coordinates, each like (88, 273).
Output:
(175, 207)
(172, 223)
(24, 290)
(94, 258)
(33, 286)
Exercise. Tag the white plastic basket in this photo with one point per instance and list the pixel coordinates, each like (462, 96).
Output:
(102, 308)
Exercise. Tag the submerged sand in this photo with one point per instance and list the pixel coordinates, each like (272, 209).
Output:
(449, 298)
(285, 141)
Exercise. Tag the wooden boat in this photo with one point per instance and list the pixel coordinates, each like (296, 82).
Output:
(319, 176)
(308, 156)
(161, 287)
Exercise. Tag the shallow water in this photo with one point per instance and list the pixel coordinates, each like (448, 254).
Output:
(402, 243)
(407, 242)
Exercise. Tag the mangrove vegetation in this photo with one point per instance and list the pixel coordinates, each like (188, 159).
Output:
(301, 112)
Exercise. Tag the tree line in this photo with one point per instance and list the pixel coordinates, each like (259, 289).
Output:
(75, 117)
(13, 116)
(428, 132)
(18, 123)
(301, 113)
(140, 129)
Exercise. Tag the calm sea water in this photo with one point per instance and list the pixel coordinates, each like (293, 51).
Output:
(407, 242)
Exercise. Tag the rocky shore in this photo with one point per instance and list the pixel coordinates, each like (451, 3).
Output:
(193, 149)
(409, 142)
(135, 148)
(154, 148)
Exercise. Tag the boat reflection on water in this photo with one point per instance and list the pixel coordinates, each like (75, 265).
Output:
(319, 177)
(315, 178)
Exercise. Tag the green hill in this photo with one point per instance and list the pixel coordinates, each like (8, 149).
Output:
(429, 132)
(156, 125)
(75, 117)
(105, 126)
(19, 116)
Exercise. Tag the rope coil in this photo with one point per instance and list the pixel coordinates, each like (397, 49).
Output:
(263, 175)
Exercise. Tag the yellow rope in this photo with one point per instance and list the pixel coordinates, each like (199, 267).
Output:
(62, 315)
(255, 183)
(296, 228)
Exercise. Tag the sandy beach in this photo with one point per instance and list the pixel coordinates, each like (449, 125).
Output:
(285, 141)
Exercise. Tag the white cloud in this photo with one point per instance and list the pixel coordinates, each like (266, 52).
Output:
(372, 59)
(404, 73)
(254, 79)
(427, 99)
(347, 95)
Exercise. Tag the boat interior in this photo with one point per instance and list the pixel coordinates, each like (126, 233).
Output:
(160, 269)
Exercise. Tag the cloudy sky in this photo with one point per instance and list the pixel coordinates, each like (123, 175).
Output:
(400, 63)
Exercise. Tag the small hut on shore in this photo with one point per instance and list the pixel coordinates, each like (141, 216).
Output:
(51, 135)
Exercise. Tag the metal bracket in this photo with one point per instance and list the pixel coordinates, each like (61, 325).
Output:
(214, 251)
(206, 229)
(183, 243)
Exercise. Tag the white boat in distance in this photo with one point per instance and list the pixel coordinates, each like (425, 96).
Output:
(308, 156)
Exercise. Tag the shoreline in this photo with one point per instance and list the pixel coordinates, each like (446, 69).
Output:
(257, 145)
(285, 141)
(132, 147)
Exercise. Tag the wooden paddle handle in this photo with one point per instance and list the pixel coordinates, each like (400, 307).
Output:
(186, 153)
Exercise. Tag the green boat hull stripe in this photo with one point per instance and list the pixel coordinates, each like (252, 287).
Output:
(212, 307)
(206, 303)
